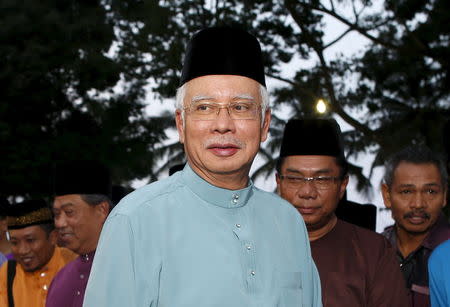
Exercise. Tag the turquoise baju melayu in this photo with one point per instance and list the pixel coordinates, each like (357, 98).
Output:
(184, 242)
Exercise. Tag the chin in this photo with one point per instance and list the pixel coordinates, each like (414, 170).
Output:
(417, 229)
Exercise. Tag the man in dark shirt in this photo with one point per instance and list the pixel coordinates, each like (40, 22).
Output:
(357, 267)
(415, 190)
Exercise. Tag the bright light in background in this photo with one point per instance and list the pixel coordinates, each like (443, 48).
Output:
(321, 106)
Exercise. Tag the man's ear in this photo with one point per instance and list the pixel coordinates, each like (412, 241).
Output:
(278, 180)
(53, 236)
(343, 187)
(266, 124)
(103, 209)
(445, 198)
(386, 195)
(180, 125)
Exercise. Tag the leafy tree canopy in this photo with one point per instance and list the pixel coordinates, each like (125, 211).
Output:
(62, 65)
(64, 60)
(393, 92)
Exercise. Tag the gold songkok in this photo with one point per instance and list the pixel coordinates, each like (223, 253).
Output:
(28, 213)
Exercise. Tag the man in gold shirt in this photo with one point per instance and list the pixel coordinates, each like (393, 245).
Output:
(24, 281)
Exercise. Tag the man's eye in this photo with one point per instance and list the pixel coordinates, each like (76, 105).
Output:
(241, 107)
(322, 179)
(69, 212)
(203, 108)
(294, 179)
(431, 191)
(405, 191)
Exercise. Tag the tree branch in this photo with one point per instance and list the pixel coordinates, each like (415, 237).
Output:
(337, 39)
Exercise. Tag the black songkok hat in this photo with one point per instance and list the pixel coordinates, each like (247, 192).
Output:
(28, 213)
(223, 51)
(318, 137)
(81, 177)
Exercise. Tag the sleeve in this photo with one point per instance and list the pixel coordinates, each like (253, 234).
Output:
(316, 290)
(436, 272)
(123, 273)
(311, 282)
(3, 291)
(387, 287)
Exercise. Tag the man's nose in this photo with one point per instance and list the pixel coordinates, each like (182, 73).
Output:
(23, 249)
(307, 190)
(60, 222)
(418, 201)
(224, 123)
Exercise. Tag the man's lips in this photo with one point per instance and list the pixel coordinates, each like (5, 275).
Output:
(307, 210)
(65, 235)
(26, 260)
(417, 218)
(223, 150)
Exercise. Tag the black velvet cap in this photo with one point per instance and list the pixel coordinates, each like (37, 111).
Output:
(81, 177)
(223, 51)
(28, 213)
(318, 137)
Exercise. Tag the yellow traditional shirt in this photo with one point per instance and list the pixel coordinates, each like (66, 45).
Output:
(30, 288)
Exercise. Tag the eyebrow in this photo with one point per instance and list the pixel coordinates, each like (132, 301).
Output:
(317, 172)
(411, 185)
(199, 98)
(65, 205)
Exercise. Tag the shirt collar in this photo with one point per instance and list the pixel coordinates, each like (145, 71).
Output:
(438, 233)
(89, 257)
(215, 195)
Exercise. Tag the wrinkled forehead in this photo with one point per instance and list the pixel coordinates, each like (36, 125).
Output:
(222, 88)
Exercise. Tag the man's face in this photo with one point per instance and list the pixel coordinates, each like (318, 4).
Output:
(316, 205)
(223, 146)
(32, 247)
(416, 196)
(78, 224)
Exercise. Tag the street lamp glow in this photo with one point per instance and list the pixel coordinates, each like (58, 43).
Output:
(321, 106)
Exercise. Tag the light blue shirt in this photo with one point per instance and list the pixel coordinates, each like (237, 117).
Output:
(439, 273)
(184, 242)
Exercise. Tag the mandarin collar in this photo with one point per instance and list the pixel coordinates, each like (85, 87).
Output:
(89, 257)
(214, 195)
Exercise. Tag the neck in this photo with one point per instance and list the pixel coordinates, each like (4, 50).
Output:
(408, 242)
(235, 180)
(315, 234)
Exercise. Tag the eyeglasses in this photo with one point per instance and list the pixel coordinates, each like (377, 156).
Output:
(210, 111)
(320, 182)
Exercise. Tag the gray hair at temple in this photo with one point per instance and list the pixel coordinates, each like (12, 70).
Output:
(415, 154)
(181, 92)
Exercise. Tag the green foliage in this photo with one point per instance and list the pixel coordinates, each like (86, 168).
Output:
(392, 92)
(61, 62)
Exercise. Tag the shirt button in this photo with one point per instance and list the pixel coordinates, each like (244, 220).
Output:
(42, 274)
(249, 247)
(238, 225)
(82, 276)
(45, 287)
(78, 292)
(252, 273)
(235, 201)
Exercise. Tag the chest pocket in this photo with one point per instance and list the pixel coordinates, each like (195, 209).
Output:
(289, 285)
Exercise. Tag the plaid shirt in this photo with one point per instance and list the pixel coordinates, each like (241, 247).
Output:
(415, 266)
